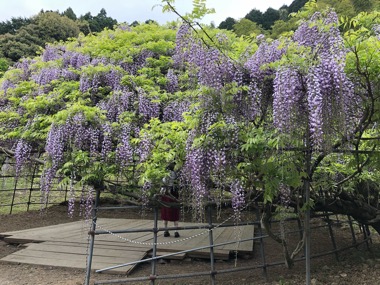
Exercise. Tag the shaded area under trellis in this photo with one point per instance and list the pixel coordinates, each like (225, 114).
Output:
(22, 193)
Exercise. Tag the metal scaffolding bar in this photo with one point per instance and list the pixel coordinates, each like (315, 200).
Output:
(154, 250)
(92, 237)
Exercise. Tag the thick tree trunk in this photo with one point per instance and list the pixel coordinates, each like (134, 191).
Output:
(352, 205)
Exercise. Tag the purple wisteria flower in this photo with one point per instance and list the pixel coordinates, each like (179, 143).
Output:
(22, 154)
(238, 199)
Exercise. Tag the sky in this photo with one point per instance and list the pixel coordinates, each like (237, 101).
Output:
(139, 10)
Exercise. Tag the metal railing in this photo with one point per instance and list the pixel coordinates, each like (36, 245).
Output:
(259, 238)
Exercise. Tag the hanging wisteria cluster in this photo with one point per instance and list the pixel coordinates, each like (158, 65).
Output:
(125, 151)
(321, 98)
(238, 198)
(254, 105)
(209, 66)
(22, 154)
(174, 110)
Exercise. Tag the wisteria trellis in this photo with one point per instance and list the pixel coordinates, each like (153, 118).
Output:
(95, 109)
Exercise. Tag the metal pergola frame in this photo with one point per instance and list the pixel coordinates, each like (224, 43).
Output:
(259, 238)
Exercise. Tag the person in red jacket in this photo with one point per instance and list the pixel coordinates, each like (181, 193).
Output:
(171, 195)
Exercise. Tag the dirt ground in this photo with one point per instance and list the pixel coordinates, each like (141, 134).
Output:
(356, 266)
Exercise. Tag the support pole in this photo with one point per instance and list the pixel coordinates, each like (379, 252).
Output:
(262, 250)
(154, 253)
(307, 240)
(307, 216)
(14, 194)
(352, 231)
(332, 236)
(367, 236)
(92, 237)
(211, 239)
(31, 186)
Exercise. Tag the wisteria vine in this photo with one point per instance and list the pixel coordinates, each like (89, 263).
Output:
(93, 114)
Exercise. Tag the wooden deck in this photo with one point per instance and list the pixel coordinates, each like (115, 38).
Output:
(67, 244)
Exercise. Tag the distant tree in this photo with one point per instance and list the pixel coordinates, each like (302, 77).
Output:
(255, 16)
(227, 24)
(23, 37)
(5, 27)
(246, 27)
(362, 5)
(13, 25)
(51, 27)
(83, 26)
(69, 13)
(24, 44)
(269, 17)
(284, 13)
(135, 23)
(92, 25)
(4, 64)
(150, 21)
(99, 22)
(87, 23)
(342, 7)
(104, 21)
(29, 35)
(296, 5)
(45, 27)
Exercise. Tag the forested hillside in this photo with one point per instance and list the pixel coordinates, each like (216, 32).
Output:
(25, 37)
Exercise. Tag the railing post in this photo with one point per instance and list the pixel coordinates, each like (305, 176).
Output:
(154, 253)
(211, 239)
(92, 237)
(31, 187)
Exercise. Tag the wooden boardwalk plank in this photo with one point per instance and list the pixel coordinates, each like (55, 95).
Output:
(179, 256)
(66, 244)
(82, 250)
(246, 232)
(71, 260)
(105, 246)
(228, 235)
